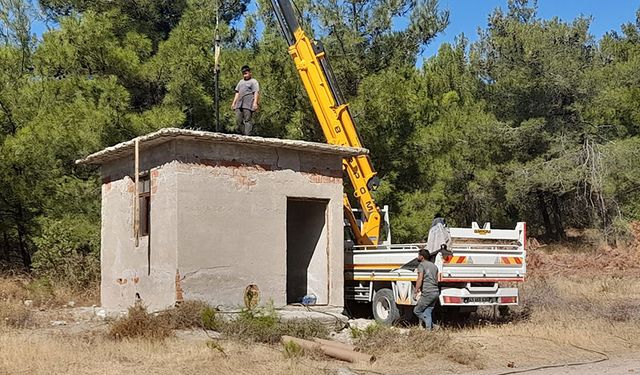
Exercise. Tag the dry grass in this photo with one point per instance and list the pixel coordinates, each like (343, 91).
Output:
(140, 324)
(558, 317)
(262, 325)
(29, 354)
(42, 293)
(13, 288)
(15, 314)
(418, 343)
(191, 314)
(265, 326)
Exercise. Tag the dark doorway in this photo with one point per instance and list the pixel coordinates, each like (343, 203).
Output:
(307, 257)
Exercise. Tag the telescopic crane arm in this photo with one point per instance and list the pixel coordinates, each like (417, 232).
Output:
(334, 117)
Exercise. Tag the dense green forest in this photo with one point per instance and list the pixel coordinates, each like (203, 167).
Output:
(536, 121)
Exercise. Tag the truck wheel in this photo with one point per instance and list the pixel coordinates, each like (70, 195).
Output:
(385, 310)
(504, 311)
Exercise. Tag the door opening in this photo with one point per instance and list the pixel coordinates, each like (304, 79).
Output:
(307, 250)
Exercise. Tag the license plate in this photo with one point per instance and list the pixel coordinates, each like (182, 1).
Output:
(480, 300)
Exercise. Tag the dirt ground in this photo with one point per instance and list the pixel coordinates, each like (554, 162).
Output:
(614, 366)
(576, 308)
(573, 320)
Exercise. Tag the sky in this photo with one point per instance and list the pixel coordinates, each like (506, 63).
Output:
(465, 16)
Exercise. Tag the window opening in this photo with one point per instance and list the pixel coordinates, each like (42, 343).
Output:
(144, 202)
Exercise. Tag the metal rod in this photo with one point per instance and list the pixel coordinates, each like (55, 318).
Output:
(216, 72)
(136, 198)
(216, 96)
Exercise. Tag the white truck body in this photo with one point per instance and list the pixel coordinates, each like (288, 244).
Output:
(480, 260)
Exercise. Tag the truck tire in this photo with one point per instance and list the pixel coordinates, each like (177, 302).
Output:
(385, 310)
(504, 311)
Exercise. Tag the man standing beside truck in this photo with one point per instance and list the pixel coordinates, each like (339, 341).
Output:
(426, 288)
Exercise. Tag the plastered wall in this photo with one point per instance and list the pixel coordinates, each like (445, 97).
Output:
(218, 223)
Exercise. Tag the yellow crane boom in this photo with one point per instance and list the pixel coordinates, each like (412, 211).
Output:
(334, 117)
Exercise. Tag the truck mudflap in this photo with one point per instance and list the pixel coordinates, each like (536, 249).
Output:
(479, 296)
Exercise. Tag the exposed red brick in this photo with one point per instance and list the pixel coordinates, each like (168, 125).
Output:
(179, 297)
(322, 179)
(244, 180)
(236, 164)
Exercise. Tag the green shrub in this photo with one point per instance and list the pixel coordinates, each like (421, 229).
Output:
(370, 330)
(259, 324)
(292, 350)
(264, 325)
(210, 320)
(304, 328)
(68, 251)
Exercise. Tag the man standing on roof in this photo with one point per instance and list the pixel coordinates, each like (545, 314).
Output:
(245, 102)
(427, 290)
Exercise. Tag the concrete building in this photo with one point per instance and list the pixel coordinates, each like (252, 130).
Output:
(218, 213)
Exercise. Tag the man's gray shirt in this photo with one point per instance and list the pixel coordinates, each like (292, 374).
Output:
(430, 279)
(246, 90)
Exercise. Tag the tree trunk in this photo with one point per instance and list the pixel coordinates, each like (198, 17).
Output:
(5, 247)
(557, 215)
(22, 242)
(542, 206)
(24, 251)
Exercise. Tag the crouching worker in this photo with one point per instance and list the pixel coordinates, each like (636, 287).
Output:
(426, 289)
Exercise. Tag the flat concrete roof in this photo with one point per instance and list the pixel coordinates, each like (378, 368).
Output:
(124, 149)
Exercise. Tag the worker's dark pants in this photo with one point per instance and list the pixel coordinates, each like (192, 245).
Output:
(243, 120)
(424, 308)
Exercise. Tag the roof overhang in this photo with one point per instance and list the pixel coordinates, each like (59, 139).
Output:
(125, 149)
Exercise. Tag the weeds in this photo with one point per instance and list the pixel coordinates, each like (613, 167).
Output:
(14, 314)
(416, 342)
(292, 350)
(370, 330)
(190, 314)
(140, 324)
(42, 292)
(210, 318)
(254, 325)
(377, 338)
(13, 289)
(264, 325)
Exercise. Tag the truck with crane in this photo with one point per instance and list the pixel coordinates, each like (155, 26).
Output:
(478, 260)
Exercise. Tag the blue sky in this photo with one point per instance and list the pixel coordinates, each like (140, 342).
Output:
(465, 16)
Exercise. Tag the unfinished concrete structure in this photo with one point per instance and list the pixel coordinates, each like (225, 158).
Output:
(218, 213)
